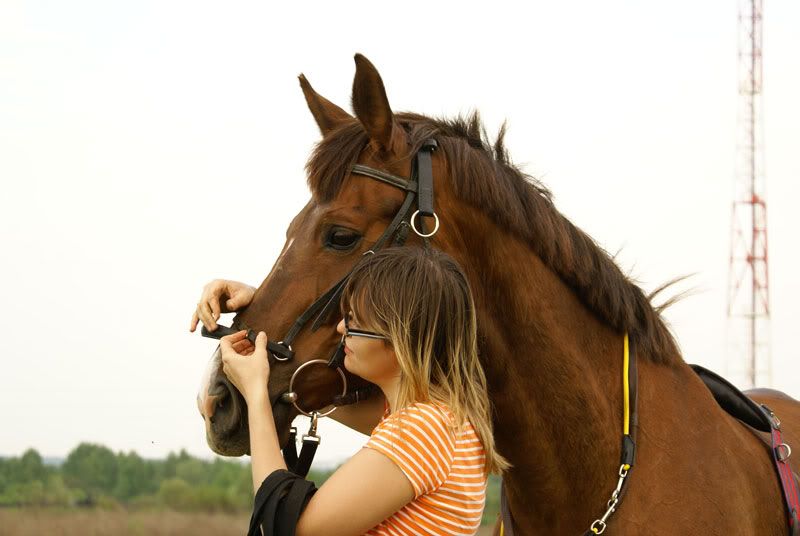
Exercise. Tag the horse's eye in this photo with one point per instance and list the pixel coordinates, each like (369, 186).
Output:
(342, 239)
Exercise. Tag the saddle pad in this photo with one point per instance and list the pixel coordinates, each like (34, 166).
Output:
(732, 400)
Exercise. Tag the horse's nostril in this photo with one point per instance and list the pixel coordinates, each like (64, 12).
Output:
(228, 408)
(219, 389)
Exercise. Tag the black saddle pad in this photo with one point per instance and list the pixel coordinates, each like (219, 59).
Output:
(732, 400)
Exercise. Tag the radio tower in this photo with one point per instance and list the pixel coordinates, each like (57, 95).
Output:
(748, 359)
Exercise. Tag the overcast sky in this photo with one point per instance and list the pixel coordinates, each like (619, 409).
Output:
(148, 147)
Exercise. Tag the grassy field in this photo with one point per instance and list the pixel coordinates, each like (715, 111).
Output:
(30, 522)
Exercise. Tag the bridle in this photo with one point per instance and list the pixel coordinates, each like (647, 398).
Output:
(418, 188)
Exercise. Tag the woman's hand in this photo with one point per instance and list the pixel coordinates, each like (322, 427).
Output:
(220, 296)
(249, 373)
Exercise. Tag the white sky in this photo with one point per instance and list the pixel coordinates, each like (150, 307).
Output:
(147, 147)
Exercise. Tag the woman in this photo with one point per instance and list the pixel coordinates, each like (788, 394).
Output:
(409, 327)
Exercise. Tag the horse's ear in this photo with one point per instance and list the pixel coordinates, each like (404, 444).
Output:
(327, 115)
(372, 106)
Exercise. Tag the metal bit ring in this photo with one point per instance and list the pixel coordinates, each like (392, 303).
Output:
(291, 390)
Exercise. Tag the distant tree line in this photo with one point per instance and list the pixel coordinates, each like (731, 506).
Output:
(94, 476)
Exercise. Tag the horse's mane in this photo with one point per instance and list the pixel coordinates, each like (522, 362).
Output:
(523, 206)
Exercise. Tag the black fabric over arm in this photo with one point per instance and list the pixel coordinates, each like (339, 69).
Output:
(278, 504)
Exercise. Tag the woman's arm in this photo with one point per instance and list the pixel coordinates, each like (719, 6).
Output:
(366, 490)
(265, 452)
(250, 374)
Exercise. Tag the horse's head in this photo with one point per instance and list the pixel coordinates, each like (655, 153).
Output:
(345, 217)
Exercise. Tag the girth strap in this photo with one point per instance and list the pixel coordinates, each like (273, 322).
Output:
(780, 453)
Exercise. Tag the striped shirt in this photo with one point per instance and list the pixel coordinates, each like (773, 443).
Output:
(446, 469)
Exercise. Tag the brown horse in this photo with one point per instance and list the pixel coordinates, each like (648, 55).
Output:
(552, 311)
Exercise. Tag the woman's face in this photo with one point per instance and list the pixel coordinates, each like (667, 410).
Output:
(372, 359)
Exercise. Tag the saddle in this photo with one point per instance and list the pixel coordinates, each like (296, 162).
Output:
(733, 401)
(761, 418)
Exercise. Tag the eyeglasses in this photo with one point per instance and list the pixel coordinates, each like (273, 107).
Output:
(353, 332)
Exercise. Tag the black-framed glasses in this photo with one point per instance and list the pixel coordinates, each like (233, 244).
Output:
(355, 332)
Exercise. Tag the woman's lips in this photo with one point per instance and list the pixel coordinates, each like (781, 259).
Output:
(347, 349)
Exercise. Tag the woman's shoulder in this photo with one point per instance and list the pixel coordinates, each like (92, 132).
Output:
(429, 411)
(427, 423)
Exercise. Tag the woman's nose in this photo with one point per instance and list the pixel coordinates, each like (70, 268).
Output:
(340, 326)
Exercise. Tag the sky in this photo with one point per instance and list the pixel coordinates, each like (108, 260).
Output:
(149, 147)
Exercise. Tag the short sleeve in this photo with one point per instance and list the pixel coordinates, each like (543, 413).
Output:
(418, 440)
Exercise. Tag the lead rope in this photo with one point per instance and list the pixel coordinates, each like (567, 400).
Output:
(629, 389)
(300, 465)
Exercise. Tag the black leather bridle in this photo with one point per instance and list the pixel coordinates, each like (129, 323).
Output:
(418, 188)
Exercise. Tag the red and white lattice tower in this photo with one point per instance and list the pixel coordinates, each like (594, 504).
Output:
(748, 360)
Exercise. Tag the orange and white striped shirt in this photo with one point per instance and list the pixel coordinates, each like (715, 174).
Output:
(446, 469)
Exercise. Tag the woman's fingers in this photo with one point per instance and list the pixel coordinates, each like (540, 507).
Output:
(261, 340)
(237, 301)
(239, 295)
(227, 342)
(209, 303)
(242, 346)
(261, 344)
(214, 305)
(206, 315)
(220, 296)
(235, 337)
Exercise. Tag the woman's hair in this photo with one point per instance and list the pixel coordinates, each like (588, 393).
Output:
(421, 300)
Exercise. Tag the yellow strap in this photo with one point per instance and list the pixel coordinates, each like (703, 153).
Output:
(626, 404)
(626, 387)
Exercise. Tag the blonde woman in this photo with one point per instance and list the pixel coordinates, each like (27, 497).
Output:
(409, 327)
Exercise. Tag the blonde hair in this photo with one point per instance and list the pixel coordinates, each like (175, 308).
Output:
(421, 300)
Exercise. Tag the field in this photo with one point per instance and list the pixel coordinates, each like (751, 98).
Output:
(30, 522)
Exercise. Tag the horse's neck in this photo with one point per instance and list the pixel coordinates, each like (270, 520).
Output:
(554, 376)
(555, 379)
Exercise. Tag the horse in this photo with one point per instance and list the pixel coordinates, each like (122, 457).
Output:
(553, 309)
